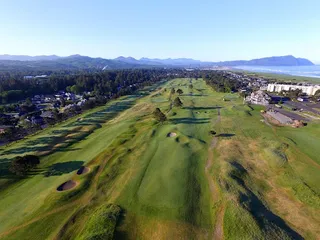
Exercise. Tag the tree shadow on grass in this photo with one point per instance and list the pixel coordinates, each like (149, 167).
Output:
(264, 217)
(4, 169)
(190, 120)
(202, 108)
(269, 222)
(225, 135)
(58, 169)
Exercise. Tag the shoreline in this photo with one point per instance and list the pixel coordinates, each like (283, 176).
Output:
(297, 71)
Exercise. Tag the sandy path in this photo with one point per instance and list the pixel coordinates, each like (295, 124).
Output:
(215, 194)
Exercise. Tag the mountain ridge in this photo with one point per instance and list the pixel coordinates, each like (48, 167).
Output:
(78, 62)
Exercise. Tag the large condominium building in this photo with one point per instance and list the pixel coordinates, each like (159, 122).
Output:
(307, 89)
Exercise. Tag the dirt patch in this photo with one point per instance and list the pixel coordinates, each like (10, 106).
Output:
(172, 134)
(83, 170)
(67, 185)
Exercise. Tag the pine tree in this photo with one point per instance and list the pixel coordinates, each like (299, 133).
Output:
(177, 102)
(159, 116)
(179, 91)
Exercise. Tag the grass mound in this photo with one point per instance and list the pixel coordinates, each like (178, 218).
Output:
(102, 223)
(67, 185)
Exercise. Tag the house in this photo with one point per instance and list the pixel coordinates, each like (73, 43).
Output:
(301, 99)
(259, 98)
(5, 128)
(81, 103)
(37, 120)
(47, 114)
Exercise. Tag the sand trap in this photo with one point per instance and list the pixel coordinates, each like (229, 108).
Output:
(67, 185)
(83, 170)
(172, 134)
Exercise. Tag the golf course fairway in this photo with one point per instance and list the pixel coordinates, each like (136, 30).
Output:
(212, 170)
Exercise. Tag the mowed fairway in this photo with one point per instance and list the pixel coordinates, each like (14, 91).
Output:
(249, 181)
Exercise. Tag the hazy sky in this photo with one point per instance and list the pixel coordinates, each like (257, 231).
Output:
(205, 30)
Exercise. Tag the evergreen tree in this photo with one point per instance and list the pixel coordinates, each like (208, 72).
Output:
(179, 91)
(159, 116)
(177, 102)
(21, 165)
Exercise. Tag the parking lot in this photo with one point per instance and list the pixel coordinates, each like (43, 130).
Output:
(309, 107)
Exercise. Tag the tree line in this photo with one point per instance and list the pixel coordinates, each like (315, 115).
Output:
(220, 82)
(109, 83)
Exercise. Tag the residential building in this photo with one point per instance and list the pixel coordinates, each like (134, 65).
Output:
(307, 89)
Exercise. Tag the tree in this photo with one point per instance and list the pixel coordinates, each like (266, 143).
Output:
(28, 102)
(177, 102)
(316, 95)
(159, 116)
(21, 165)
(173, 91)
(212, 132)
(179, 91)
(191, 86)
(62, 102)
(75, 89)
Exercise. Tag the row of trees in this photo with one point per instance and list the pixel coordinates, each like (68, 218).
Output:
(220, 82)
(116, 82)
(160, 116)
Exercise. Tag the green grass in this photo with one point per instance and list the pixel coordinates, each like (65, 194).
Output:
(101, 224)
(266, 179)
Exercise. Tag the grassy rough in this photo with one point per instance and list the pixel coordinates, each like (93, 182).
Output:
(101, 224)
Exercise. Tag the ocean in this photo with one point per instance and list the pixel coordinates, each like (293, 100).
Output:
(303, 71)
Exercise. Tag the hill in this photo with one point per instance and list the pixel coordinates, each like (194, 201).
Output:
(78, 62)
(270, 61)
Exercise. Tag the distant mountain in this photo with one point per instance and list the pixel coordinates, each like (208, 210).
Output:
(74, 62)
(172, 62)
(185, 62)
(78, 62)
(28, 58)
(270, 61)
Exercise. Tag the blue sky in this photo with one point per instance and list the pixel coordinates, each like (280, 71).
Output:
(205, 30)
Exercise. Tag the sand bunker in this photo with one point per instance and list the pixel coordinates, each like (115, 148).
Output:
(67, 186)
(172, 134)
(83, 170)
